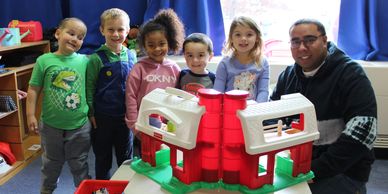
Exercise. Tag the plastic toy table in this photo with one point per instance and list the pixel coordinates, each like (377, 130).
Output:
(141, 184)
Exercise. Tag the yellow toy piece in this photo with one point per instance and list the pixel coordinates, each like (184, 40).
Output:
(171, 127)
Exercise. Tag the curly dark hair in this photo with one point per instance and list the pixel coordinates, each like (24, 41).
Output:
(167, 21)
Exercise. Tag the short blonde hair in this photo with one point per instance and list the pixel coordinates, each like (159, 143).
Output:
(114, 13)
(63, 23)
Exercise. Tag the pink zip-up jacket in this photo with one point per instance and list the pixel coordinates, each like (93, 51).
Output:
(145, 76)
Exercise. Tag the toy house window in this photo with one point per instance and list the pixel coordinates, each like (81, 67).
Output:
(275, 128)
(263, 165)
(162, 123)
(179, 158)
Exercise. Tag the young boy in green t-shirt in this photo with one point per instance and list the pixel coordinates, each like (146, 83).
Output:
(64, 127)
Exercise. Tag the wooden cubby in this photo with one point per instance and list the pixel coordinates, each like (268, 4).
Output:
(13, 124)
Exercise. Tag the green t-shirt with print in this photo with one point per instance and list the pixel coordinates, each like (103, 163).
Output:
(62, 79)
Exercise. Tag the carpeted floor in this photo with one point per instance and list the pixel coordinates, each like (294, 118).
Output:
(28, 180)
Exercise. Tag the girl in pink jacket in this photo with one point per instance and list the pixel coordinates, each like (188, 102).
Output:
(158, 36)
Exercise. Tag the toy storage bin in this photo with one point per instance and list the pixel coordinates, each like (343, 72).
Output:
(112, 186)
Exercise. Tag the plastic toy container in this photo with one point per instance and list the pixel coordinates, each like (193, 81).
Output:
(33, 30)
(111, 186)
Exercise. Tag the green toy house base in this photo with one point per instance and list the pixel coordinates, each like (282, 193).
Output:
(162, 174)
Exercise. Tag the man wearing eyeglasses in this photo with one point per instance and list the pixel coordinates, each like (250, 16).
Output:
(345, 106)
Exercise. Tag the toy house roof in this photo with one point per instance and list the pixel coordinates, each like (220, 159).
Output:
(257, 140)
(179, 108)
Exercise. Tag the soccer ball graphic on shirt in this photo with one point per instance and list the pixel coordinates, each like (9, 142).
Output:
(72, 101)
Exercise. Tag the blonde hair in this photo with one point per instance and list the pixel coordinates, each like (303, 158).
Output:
(113, 13)
(63, 23)
(256, 53)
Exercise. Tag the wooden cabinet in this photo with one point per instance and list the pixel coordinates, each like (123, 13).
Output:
(13, 124)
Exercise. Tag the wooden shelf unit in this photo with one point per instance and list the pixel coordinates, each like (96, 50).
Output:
(13, 124)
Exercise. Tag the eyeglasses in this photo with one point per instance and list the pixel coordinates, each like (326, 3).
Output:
(307, 41)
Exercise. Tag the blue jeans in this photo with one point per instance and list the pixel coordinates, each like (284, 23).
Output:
(110, 132)
(338, 184)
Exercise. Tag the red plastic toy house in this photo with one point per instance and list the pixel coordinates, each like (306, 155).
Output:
(223, 137)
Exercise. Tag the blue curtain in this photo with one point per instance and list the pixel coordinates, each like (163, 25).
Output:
(90, 10)
(363, 29)
(198, 16)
